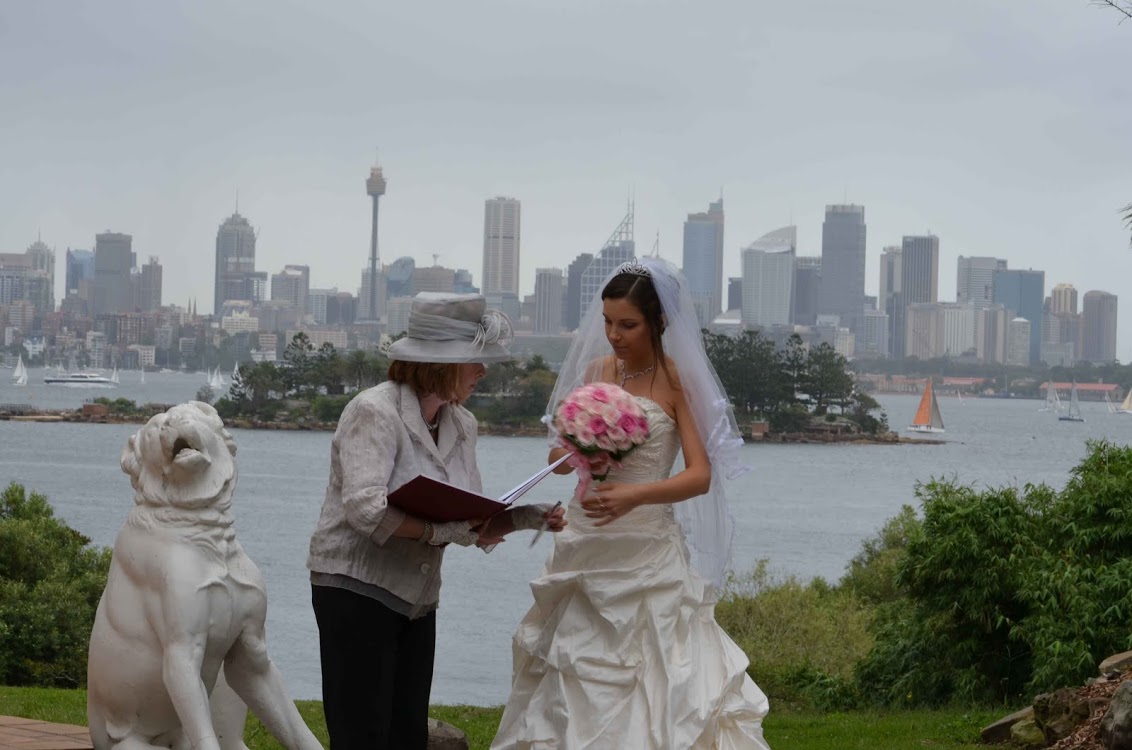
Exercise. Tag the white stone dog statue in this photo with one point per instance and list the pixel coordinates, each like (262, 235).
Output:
(183, 601)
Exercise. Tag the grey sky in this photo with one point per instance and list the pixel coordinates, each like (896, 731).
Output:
(1002, 127)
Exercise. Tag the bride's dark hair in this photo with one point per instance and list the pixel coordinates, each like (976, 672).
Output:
(641, 293)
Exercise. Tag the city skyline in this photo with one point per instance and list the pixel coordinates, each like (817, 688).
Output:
(969, 127)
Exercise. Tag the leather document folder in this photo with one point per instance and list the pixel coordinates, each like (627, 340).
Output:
(433, 500)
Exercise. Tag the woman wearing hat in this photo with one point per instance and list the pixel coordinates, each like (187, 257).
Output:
(375, 571)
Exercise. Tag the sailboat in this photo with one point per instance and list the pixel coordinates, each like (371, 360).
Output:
(20, 374)
(1074, 414)
(959, 393)
(142, 380)
(1125, 405)
(114, 375)
(1053, 401)
(928, 418)
(214, 381)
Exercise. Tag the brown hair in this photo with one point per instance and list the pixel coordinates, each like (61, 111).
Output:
(427, 377)
(641, 293)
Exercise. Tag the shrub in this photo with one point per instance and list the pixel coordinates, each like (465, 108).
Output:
(50, 583)
(329, 408)
(802, 639)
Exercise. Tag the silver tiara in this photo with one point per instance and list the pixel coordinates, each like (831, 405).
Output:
(634, 267)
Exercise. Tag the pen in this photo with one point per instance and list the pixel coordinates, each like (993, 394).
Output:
(545, 526)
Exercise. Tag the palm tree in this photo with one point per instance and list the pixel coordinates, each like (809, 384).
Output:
(1127, 211)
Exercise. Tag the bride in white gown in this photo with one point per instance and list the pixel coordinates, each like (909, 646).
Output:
(621, 648)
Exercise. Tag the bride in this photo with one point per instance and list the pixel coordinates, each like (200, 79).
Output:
(620, 648)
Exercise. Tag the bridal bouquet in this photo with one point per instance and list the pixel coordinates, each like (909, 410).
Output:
(599, 419)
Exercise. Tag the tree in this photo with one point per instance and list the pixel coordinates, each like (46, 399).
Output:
(51, 579)
(828, 382)
(1120, 6)
(328, 370)
(298, 361)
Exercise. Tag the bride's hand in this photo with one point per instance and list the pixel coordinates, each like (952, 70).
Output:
(608, 501)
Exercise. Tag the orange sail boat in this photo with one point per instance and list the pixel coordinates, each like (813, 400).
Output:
(928, 418)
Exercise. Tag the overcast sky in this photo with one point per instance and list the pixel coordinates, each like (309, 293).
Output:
(1003, 127)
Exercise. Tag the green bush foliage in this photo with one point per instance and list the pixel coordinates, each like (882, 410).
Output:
(802, 638)
(51, 579)
(1001, 593)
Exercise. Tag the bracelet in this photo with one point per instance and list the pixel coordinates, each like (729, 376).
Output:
(426, 535)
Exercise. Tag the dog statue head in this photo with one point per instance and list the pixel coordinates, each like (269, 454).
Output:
(182, 458)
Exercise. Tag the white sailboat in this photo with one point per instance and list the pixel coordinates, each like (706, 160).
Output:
(142, 380)
(114, 375)
(214, 381)
(1074, 414)
(20, 374)
(928, 418)
(1125, 405)
(1053, 401)
(959, 393)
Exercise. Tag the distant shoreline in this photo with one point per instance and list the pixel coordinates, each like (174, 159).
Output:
(52, 416)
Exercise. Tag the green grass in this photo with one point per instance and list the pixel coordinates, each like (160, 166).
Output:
(950, 729)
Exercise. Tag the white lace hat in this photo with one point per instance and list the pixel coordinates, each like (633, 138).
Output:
(446, 328)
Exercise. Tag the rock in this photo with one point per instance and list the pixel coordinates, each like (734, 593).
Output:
(1116, 724)
(443, 736)
(1026, 733)
(1116, 663)
(999, 731)
(1058, 713)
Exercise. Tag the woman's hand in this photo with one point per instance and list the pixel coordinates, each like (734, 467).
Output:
(608, 501)
(536, 515)
(488, 536)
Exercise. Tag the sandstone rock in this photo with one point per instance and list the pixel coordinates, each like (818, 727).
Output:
(1116, 725)
(999, 731)
(1026, 733)
(1116, 663)
(1058, 713)
(443, 736)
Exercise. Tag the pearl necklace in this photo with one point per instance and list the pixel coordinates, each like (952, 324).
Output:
(629, 376)
(432, 426)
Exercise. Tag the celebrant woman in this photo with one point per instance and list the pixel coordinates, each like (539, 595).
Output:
(621, 648)
(375, 571)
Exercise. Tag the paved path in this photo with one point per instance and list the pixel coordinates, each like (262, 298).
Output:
(29, 734)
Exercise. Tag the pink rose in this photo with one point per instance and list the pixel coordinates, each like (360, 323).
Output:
(599, 394)
(597, 426)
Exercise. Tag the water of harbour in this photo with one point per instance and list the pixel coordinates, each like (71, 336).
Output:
(806, 508)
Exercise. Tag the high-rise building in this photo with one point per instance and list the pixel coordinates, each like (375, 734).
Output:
(1099, 327)
(873, 341)
(975, 280)
(807, 290)
(572, 304)
(80, 268)
(992, 324)
(434, 279)
(703, 261)
(373, 308)
(292, 284)
(113, 259)
(889, 289)
(619, 248)
(235, 263)
(317, 300)
(843, 264)
(1023, 291)
(919, 284)
(1063, 299)
(768, 278)
(150, 292)
(548, 300)
(734, 293)
(42, 260)
(501, 243)
(1018, 342)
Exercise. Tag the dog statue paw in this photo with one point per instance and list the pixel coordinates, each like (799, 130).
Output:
(177, 653)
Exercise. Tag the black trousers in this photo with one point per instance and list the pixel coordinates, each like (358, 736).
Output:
(376, 672)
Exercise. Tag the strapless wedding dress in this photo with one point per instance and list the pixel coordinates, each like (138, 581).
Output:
(621, 649)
